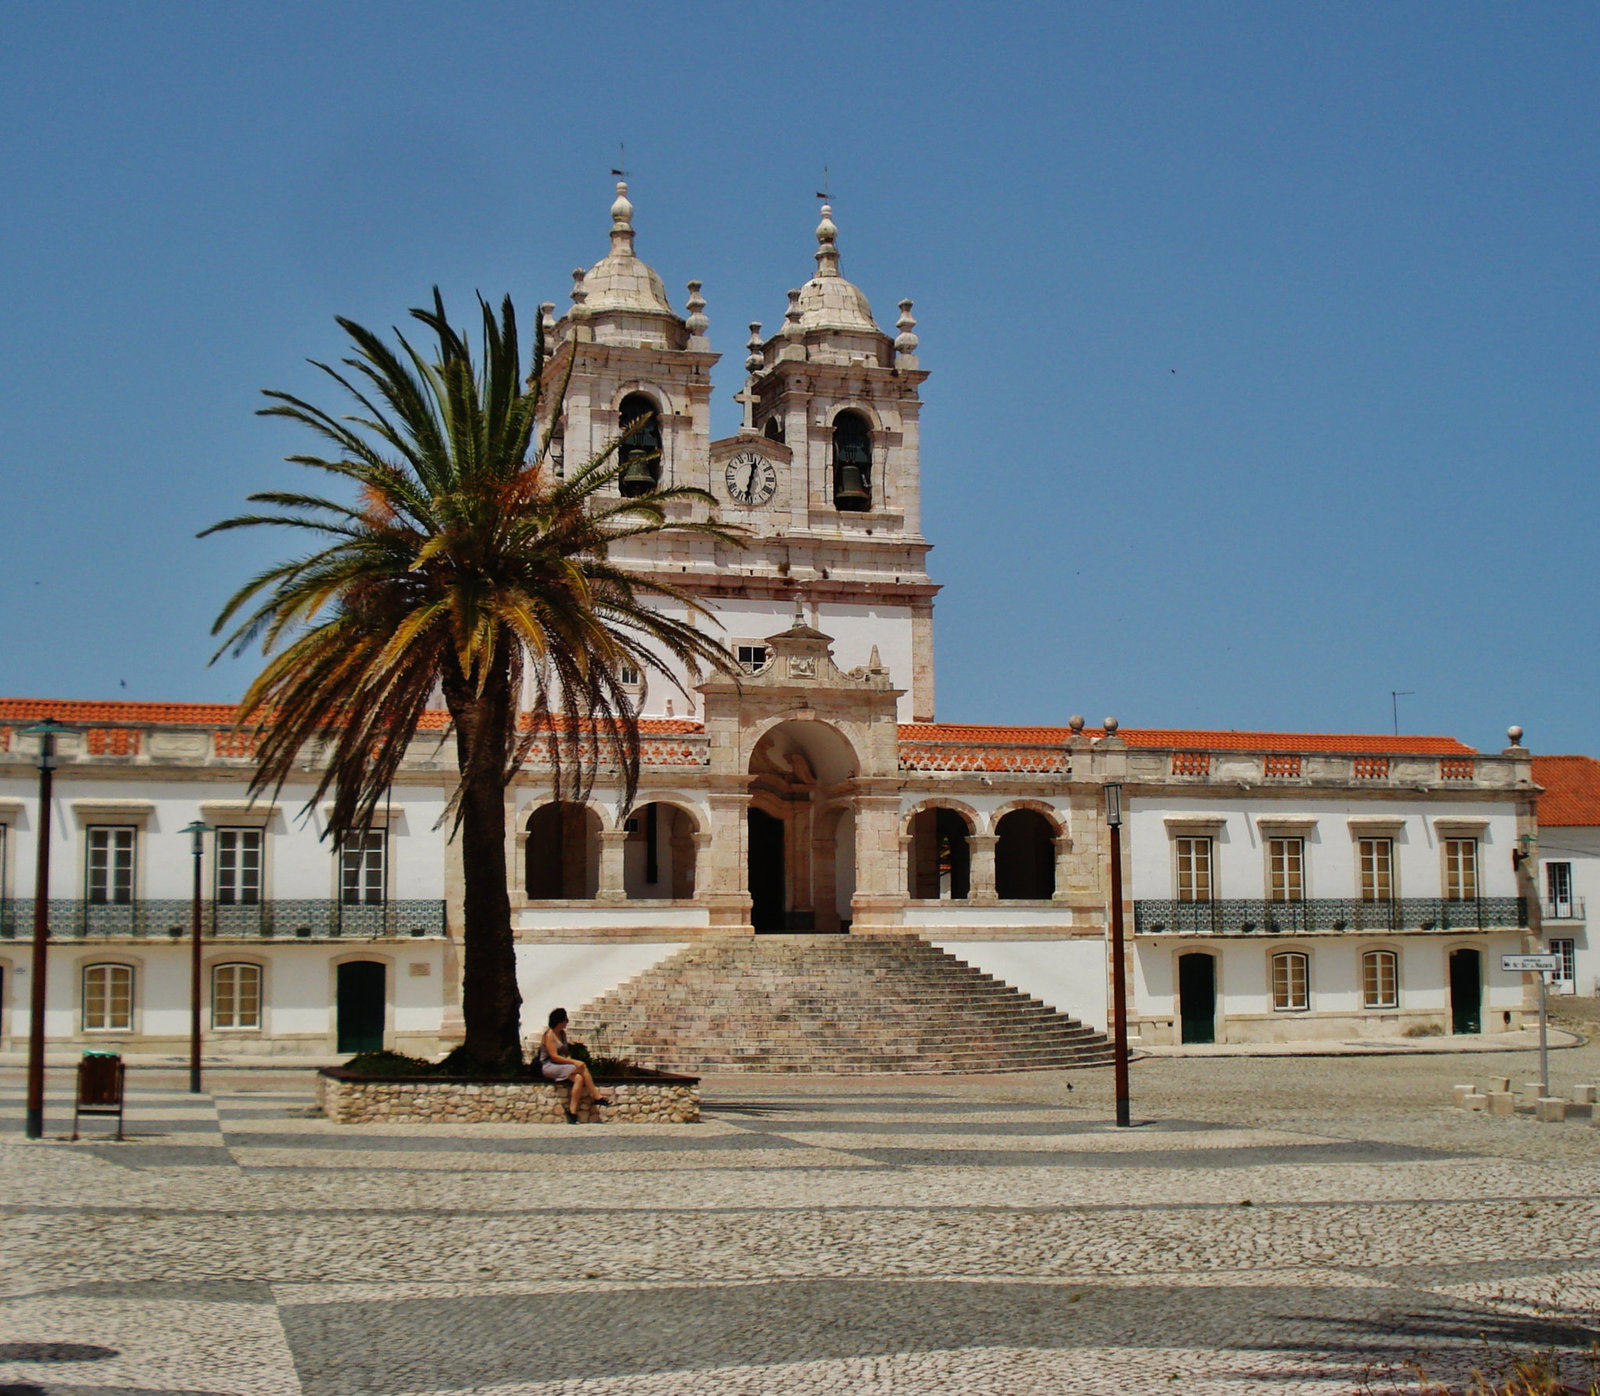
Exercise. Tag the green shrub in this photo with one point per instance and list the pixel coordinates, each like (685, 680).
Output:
(388, 1063)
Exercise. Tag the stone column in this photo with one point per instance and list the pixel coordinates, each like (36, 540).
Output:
(722, 876)
(980, 848)
(612, 886)
(880, 878)
(1063, 844)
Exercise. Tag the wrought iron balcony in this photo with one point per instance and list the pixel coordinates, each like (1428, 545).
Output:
(1238, 916)
(1566, 909)
(169, 919)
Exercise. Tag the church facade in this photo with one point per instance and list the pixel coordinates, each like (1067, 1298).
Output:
(1276, 886)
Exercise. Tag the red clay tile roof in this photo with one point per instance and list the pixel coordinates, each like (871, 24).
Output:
(222, 714)
(1188, 740)
(1571, 790)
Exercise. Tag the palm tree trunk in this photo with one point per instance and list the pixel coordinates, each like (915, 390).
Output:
(490, 1002)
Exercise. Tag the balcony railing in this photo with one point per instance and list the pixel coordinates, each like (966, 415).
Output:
(1567, 909)
(1248, 916)
(169, 919)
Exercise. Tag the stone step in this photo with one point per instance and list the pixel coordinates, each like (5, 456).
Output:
(831, 1003)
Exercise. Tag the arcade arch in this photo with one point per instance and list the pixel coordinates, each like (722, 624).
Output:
(1024, 856)
(800, 829)
(659, 854)
(940, 865)
(562, 854)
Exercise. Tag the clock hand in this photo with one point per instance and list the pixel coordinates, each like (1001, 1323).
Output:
(750, 485)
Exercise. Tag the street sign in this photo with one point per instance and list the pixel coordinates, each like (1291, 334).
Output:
(1513, 964)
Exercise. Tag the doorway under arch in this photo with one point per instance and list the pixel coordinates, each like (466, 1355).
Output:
(800, 846)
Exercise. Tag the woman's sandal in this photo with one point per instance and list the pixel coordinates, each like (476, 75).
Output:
(603, 1100)
(571, 1118)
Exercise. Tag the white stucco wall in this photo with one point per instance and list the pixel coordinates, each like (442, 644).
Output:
(1239, 862)
(1069, 975)
(569, 976)
(1579, 846)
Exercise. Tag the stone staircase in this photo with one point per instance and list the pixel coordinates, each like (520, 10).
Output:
(825, 1003)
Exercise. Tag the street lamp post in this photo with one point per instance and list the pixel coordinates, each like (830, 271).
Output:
(197, 831)
(1119, 973)
(46, 732)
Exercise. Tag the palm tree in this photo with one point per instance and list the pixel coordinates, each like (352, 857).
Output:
(463, 568)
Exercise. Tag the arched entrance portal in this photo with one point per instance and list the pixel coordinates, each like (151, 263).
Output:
(800, 829)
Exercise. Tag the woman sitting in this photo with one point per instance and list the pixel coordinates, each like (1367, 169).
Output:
(556, 1065)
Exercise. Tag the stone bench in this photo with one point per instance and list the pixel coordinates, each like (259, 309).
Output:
(347, 1098)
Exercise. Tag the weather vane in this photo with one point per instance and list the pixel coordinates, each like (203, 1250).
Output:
(621, 170)
(823, 192)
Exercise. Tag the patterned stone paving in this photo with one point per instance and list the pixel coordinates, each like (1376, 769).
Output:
(1282, 1225)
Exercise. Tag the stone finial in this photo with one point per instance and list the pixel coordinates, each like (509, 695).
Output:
(1110, 724)
(696, 306)
(799, 609)
(622, 223)
(906, 341)
(579, 295)
(753, 359)
(1515, 734)
(874, 664)
(827, 250)
(547, 317)
(792, 328)
(1075, 722)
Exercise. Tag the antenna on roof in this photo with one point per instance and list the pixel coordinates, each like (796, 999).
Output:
(1395, 695)
(621, 170)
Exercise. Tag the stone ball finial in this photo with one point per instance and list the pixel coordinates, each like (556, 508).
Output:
(1515, 733)
(1110, 724)
(622, 210)
(827, 248)
(826, 230)
(1075, 722)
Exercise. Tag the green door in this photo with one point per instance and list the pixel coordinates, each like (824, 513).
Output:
(1197, 997)
(1466, 991)
(360, 1006)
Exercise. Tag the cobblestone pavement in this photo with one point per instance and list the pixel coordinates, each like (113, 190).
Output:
(1276, 1224)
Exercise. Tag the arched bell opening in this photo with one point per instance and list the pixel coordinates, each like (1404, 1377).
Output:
(852, 463)
(563, 853)
(658, 856)
(800, 829)
(640, 451)
(1025, 857)
(941, 859)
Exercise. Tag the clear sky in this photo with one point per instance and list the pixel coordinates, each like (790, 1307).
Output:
(1264, 338)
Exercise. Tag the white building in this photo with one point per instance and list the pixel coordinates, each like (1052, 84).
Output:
(1276, 885)
(1569, 865)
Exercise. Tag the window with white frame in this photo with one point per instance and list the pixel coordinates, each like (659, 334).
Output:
(1558, 888)
(630, 676)
(1376, 860)
(1460, 870)
(236, 996)
(751, 657)
(1566, 952)
(109, 875)
(108, 998)
(1286, 869)
(1291, 978)
(1380, 979)
(238, 867)
(361, 870)
(1194, 867)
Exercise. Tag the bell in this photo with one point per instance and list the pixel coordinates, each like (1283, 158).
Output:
(850, 488)
(637, 477)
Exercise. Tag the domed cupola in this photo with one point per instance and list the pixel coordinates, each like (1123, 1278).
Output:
(621, 298)
(828, 301)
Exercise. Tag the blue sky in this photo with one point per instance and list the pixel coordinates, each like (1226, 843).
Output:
(1263, 337)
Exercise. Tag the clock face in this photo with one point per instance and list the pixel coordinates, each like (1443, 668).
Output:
(751, 479)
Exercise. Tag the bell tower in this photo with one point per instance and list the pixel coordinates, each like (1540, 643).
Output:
(635, 363)
(839, 397)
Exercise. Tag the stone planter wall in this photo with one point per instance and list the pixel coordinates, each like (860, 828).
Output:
(349, 1099)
